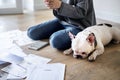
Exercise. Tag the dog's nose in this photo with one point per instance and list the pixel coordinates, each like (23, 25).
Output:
(78, 56)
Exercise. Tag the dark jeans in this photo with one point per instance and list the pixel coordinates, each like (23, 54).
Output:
(57, 32)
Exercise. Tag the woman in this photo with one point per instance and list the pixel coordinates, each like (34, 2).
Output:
(71, 16)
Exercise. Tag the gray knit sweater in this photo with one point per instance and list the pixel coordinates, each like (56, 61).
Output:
(76, 12)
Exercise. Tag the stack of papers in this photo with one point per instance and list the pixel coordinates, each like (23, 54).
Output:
(11, 58)
(7, 39)
(15, 72)
(34, 67)
(17, 36)
(21, 66)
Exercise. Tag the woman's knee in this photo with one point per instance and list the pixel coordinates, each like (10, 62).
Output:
(31, 32)
(59, 42)
(56, 43)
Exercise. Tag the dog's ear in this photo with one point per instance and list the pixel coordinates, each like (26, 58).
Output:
(91, 38)
(71, 36)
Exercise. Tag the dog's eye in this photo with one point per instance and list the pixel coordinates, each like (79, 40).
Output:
(83, 53)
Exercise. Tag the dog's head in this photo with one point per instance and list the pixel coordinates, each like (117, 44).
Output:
(82, 44)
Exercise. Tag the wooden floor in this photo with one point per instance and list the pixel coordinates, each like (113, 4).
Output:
(106, 67)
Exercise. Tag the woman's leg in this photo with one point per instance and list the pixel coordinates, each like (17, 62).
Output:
(61, 40)
(44, 30)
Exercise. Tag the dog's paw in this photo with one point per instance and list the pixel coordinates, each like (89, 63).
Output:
(91, 58)
(68, 51)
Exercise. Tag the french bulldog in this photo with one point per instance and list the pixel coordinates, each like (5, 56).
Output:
(91, 41)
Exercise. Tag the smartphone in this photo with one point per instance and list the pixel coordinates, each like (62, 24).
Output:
(37, 45)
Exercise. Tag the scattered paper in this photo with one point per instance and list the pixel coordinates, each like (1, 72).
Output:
(8, 57)
(15, 71)
(20, 71)
(34, 59)
(12, 77)
(31, 66)
(47, 72)
(16, 50)
(14, 37)
(22, 39)
(5, 43)
(4, 63)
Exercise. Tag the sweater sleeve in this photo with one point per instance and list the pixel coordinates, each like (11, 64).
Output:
(76, 11)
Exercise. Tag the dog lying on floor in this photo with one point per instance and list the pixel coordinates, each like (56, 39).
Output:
(91, 41)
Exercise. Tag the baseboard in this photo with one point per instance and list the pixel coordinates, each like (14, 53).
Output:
(108, 16)
(11, 11)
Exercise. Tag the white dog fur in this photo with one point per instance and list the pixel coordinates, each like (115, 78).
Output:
(92, 41)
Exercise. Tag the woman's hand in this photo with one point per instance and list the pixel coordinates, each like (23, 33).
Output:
(53, 4)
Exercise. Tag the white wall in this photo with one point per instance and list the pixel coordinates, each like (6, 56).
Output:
(108, 9)
(34, 5)
(12, 7)
(39, 4)
(28, 4)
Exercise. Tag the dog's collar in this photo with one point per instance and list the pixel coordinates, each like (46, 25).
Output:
(95, 43)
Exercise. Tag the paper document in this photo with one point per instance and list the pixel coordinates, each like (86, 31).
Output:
(16, 50)
(14, 37)
(34, 59)
(47, 72)
(21, 70)
(8, 57)
(4, 63)
(15, 71)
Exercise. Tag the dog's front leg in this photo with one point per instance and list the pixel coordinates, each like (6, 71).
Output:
(98, 51)
(68, 51)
